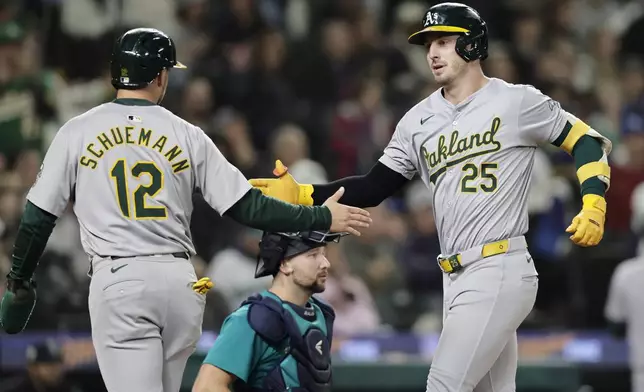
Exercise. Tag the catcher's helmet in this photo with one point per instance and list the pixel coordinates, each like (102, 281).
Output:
(456, 18)
(139, 55)
(275, 247)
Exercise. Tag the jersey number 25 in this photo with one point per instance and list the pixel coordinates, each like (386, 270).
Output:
(119, 174)
(484, 171)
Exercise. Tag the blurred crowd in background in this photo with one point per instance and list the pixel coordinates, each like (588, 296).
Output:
(320, 84)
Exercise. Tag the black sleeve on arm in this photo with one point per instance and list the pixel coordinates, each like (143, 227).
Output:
(35, 228)
(364, 191)
(269, 214)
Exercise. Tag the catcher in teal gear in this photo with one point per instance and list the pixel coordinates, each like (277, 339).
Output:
(280, 339)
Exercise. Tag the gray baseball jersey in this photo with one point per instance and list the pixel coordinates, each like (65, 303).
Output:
(476, 158)
(131, 171)
(624, 305)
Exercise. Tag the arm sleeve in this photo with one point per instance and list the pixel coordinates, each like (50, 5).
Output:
(615, 309)
(587, 153)
(219, 181)
(269, 214)
(541, 118)
(237, 350)
(57, 177)
(363, 191)
(35, 228)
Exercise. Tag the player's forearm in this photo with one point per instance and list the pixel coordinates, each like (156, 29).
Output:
(585, 145)
(269, 214)
(588, 150)
(364, 191)
(35, 228)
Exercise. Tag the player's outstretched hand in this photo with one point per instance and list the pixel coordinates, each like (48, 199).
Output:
(345, 218)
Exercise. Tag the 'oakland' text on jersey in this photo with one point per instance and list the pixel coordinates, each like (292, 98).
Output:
(483, 146)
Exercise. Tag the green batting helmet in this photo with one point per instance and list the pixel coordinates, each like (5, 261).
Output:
(138, 57)
(456, 18)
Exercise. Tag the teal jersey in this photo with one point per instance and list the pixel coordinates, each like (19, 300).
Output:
(238, 349)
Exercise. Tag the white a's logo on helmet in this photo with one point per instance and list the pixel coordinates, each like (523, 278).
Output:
(429, 19)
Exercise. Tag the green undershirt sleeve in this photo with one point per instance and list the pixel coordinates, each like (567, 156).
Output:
(269, 214)
(35, 228)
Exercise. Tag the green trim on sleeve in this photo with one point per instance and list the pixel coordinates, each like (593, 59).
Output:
(562, 136)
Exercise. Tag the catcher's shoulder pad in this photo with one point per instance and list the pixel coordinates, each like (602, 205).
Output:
(266, 318)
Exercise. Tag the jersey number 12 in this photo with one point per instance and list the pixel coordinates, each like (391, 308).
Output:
(119, 174)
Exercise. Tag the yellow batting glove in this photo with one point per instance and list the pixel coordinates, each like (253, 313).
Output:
(284, 187)
(587, 227)
(203, 285)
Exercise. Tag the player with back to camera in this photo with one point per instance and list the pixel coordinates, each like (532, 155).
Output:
(130, 168)
(472, 142)
(280, 339)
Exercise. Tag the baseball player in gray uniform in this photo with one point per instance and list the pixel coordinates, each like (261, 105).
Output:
(472, 142)
(131, 168)
(623, 309)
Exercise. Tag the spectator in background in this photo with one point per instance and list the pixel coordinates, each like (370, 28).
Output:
(198, 104)
(26, 100)
(273, 100)
(421, 247)
(501, 65)
(372, 258)
(234, 269)
(629, 171)
(45, 372)
(623, 309)
(417, 258)
(361, 127)
(355, 310)
(291, 146)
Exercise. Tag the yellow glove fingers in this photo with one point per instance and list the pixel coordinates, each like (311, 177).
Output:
(588, 237)
(580, 231)
(260, 182)
(573, 226)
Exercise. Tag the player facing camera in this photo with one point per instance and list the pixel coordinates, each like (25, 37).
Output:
(296, 260)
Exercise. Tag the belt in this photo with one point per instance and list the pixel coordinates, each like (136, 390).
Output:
(457, 262)
(179, 255)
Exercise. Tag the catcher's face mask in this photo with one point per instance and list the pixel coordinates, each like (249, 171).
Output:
(275, 247)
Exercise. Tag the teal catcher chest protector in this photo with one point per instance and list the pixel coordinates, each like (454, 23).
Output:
(310, 349)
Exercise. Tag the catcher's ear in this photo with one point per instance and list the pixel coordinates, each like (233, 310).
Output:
(286, 268)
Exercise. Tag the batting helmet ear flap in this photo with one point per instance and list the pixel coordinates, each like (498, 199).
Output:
(472, 47)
